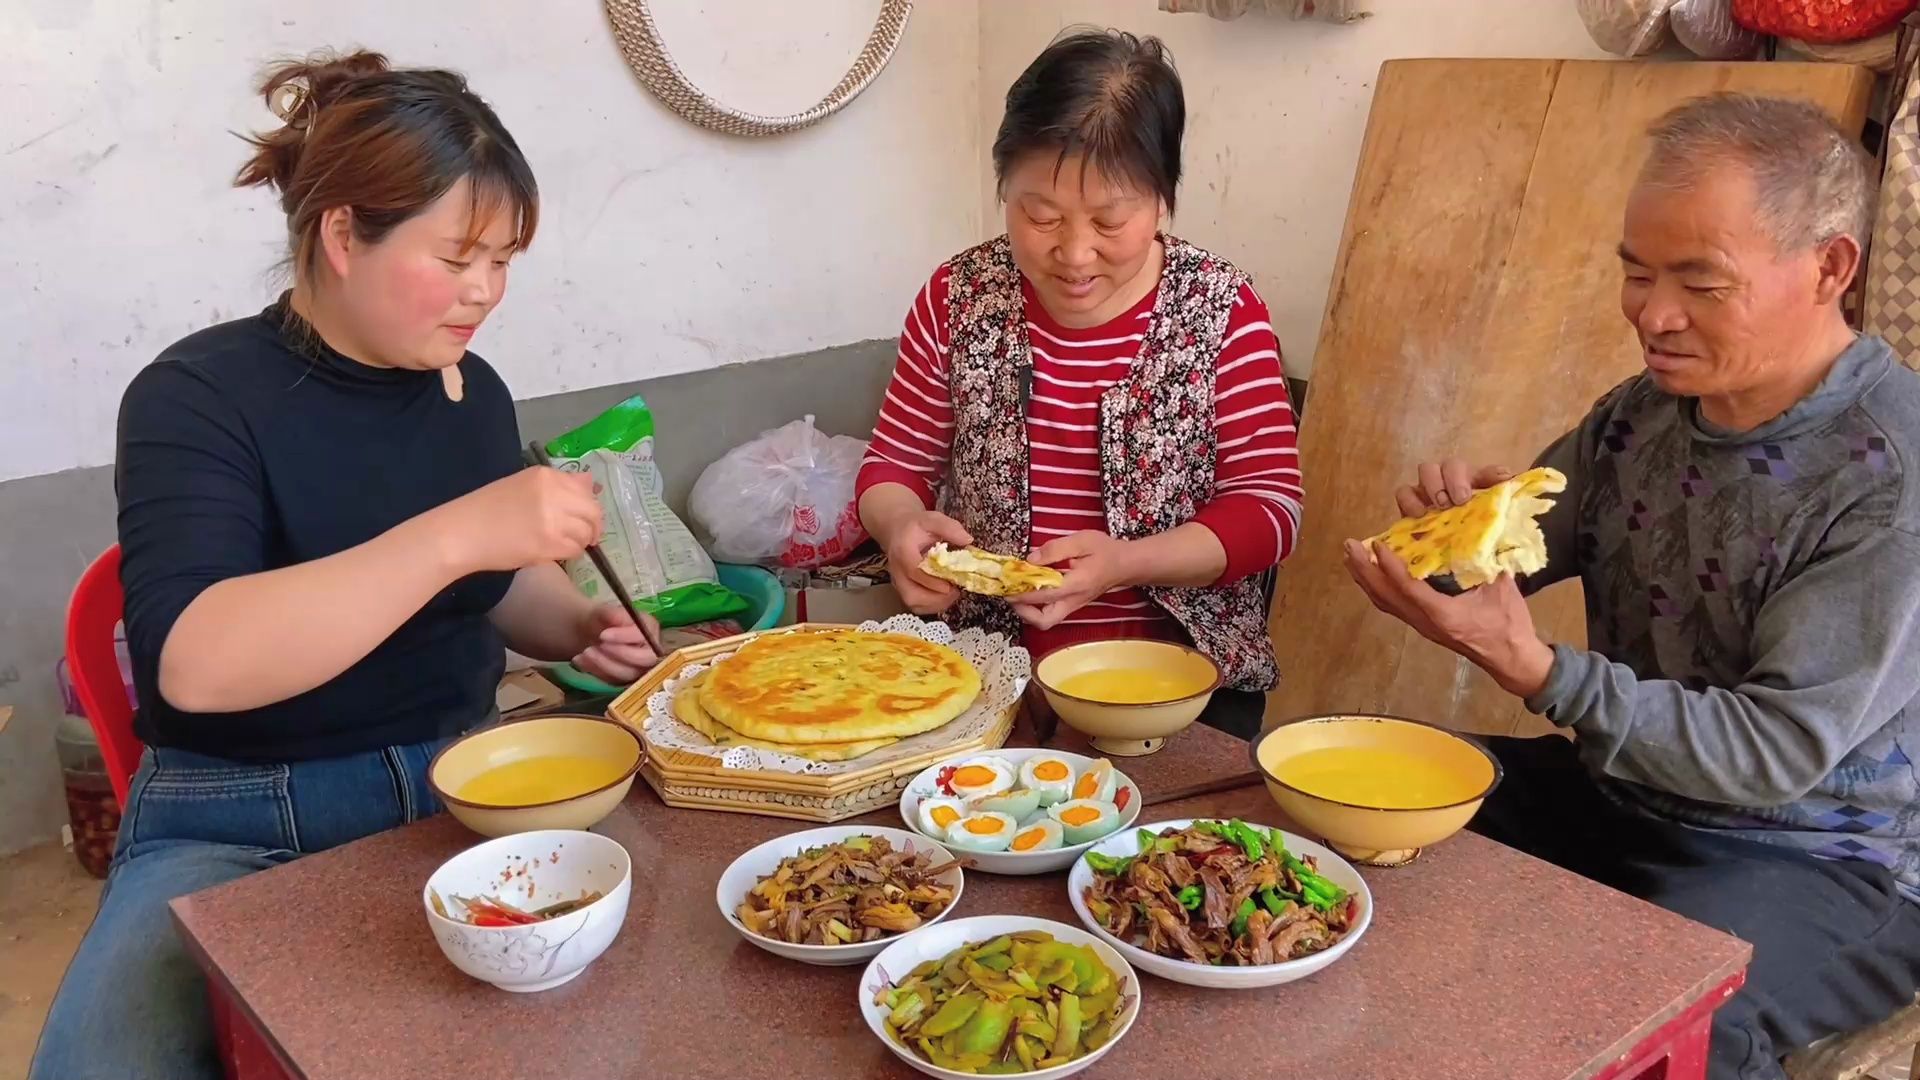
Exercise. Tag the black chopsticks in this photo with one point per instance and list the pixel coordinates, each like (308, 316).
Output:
(612, 579)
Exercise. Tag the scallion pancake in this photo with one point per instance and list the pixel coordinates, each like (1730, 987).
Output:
(834, 686)
(687, 709)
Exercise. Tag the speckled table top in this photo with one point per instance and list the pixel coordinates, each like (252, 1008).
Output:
(1481, 963)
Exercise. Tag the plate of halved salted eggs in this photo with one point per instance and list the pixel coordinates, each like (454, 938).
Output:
(1028, 811)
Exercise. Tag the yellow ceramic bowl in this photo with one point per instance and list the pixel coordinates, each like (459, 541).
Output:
(541, 736)
(1130, 729)
(1370, 834)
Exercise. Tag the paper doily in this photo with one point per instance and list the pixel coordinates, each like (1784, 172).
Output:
(1003, 666)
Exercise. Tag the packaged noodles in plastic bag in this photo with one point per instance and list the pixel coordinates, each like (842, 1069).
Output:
(648, 546)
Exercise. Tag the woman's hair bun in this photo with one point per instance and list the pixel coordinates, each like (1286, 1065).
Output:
(297, 91)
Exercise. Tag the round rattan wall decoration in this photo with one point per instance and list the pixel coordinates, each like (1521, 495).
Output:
(646, 54)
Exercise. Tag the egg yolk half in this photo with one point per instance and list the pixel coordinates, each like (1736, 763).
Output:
(973, 776)
(1079, 815)
(1027, 840)
(1050, 771)
(944, 816)
(983, 826)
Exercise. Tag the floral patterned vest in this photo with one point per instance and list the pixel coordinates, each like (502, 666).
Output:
(1156, 438)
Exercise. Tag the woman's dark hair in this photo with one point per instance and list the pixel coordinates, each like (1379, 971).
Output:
(385, 143)
(1107, 95)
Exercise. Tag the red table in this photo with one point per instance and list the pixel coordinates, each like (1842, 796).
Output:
(1481, 963)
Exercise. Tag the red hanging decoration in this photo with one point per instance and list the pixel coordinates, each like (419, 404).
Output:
(1822, 21)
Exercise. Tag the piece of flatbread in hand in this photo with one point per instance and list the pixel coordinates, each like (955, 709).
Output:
(1490, 534)
(986, 573)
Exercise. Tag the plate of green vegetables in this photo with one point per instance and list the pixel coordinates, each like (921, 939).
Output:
(1000, 995)
(1220, 903)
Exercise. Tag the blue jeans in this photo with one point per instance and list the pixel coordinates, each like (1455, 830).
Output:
(133, 1003)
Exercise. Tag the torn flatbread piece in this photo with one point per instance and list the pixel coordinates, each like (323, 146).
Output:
(1490, 534)
(986, 573)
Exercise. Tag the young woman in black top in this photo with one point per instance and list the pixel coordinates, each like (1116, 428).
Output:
(327, 537)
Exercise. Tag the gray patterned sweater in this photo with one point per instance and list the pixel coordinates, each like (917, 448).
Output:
(1753, 612)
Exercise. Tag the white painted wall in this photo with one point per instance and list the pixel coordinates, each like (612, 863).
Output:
(663, 247)
(1275, 113)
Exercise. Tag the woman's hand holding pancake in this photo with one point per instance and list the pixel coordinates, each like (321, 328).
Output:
(922, 593)
(537, 515)
(1095, 564)
(912, 536)
(901, 523)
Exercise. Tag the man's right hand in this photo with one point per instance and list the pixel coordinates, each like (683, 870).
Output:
(911, 536)
(536, 515)
(1444, 484)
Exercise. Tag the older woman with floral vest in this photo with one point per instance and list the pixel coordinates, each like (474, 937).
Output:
(1092, 390)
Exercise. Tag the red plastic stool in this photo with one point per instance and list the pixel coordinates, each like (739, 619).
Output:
(92, 618)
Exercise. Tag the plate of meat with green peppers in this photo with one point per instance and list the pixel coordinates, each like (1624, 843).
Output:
(1221, 904)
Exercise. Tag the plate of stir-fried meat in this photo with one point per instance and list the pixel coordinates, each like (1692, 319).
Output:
(1221, 903)
(841, 894)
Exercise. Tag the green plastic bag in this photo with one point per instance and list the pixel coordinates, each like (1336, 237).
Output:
(649, 547)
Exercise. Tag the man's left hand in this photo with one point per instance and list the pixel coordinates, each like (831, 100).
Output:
(616, 650)
(1095, 564)
(1490, 625)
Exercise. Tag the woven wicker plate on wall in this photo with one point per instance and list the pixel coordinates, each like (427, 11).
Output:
(646, 54)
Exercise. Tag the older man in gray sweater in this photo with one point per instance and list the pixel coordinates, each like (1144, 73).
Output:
(1745, 518)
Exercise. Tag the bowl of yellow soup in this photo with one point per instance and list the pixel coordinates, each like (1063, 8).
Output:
(548, 772)
(1378, 788)
(1127, 694)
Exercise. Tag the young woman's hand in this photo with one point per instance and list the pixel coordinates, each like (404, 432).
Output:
(618, 651)
(907, 545)
(534, 516)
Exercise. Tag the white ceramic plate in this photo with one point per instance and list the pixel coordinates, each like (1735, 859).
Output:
(905, 954)
(532, 870)
(1331, 866)
(748, 869)
(924, 786)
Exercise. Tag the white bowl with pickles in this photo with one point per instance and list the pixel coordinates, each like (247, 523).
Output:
(1020, 811)
(1000, 994)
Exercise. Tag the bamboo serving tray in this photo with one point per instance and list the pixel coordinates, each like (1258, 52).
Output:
(699, 782)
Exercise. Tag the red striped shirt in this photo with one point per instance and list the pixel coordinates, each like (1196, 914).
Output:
(1255, 505)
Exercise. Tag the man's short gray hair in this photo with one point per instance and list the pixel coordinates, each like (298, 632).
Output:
(1812, 181)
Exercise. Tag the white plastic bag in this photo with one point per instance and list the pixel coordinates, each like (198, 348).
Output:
(786, 498)
(1707, 30)
(1626, 27)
